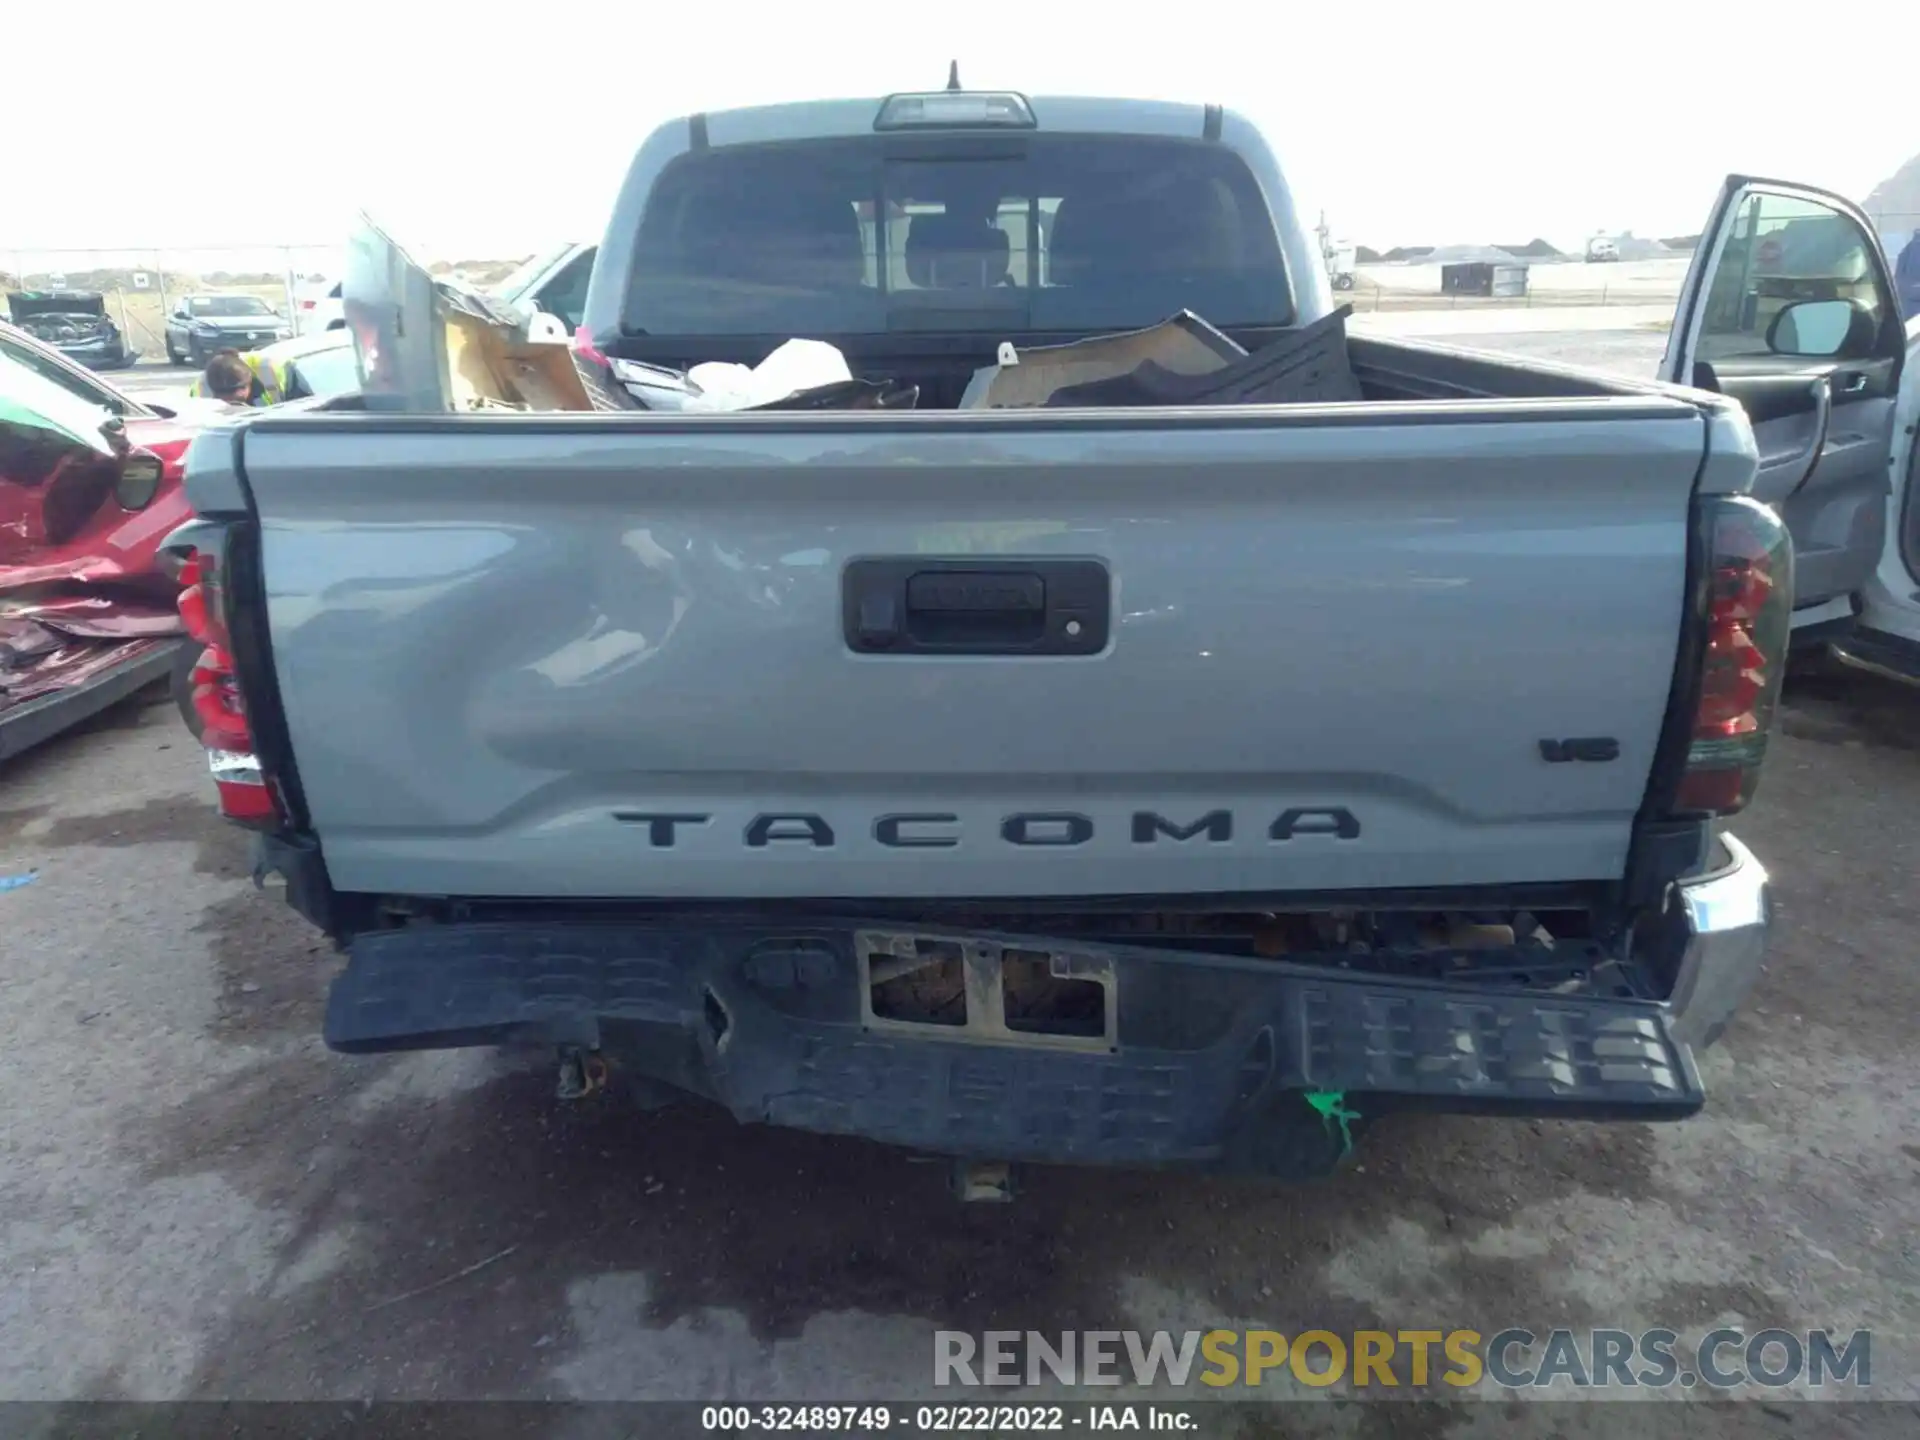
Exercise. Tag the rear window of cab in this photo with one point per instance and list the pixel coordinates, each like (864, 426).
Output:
(1037, 233)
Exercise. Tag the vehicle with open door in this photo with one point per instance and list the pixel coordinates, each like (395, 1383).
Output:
(1790, 308)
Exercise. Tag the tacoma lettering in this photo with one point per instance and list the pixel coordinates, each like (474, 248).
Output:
(1046, 828)
(1029, 829)
(1216, 825)
(1335, 822)
(660, 828)
(809, 828)
(892, 830)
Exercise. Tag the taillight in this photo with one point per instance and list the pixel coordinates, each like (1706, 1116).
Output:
(309, 305)
(1744, 659)
(245, 795)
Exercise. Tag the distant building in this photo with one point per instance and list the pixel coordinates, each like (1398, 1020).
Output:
(1632, 247)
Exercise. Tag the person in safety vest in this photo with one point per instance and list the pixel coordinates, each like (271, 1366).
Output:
(239, 379)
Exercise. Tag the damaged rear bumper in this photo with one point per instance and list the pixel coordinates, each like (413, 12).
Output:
(103, 354)
(1198, 1059)
(1728, 913)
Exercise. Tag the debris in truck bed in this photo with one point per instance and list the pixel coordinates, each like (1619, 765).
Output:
(491, 364)
(1184, 361)
(1308, 366)
(800, 375)
(631, 385)
(850, 395)
(1184, 344)
(795, 366)
(426, 345)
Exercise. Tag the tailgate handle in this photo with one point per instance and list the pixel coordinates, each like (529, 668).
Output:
(1010, 595)
(919, 605)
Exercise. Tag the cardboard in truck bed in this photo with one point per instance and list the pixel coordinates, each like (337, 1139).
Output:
(422, 346)
(1182, 345)
(1307, 366)
(489, 367)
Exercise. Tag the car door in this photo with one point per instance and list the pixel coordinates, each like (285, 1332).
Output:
(1789, 308)
(1888, 638)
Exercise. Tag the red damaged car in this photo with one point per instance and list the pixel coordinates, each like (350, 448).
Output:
(89, 488)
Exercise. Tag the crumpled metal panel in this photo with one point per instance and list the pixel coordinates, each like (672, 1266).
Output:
(82, 592)
(36, 659)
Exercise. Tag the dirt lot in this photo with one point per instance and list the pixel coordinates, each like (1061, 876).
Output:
(198, 1200)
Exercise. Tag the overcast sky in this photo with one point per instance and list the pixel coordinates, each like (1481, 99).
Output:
(1445, 122)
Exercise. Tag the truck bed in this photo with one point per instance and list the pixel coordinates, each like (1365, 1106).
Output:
(1346, 647)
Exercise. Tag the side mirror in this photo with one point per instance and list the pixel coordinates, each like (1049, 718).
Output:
(1816, 329)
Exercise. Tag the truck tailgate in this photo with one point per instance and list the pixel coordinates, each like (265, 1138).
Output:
(597, 657)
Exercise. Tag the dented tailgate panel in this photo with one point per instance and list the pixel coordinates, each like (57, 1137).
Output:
(611, 658)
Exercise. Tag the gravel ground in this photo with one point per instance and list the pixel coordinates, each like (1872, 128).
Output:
(197, 1200)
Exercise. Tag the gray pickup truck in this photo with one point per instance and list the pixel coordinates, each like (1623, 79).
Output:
(1180, 786)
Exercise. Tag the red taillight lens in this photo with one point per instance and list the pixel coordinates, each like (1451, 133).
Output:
(1735, 680)
(199, 600)
(245, 795)
(1750, 614)
(309, 304)
(217, 704)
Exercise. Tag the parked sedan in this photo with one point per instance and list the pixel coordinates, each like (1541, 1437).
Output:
(75, 323)
(202, 324)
